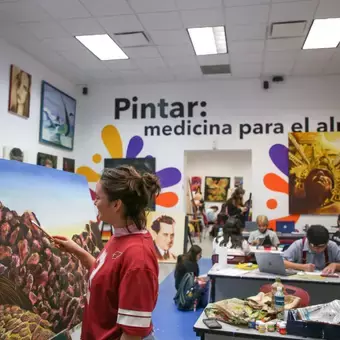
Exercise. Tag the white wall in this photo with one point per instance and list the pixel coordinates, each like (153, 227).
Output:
(17, 131)
(234, 102)
(218, 163)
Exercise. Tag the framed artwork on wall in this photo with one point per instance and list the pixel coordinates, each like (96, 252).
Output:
(196, 183)
(68, 164)
(15, 154)
(57, 117)
(216, 189)
(49, 161)
(19, 92)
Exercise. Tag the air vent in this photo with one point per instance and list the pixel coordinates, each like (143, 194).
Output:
(132, 39)
(216, 69)
(289, 29)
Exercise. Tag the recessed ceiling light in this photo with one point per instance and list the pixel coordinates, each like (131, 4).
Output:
(102, 46)
(324, 33)
(208, 40)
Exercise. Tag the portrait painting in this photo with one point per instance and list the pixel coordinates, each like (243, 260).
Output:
(314, 173)
(49, 161)
(167, 230)
(19, 92)
(216, 189)
(68, 164)
(15, 154)
(42, 288)
(57, 117)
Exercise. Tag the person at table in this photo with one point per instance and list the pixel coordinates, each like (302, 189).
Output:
(232, 239)
(211, 213)
(314, 252)
(263, 236)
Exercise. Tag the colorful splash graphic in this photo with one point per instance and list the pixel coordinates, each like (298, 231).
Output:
(278, 154)
(114, 145)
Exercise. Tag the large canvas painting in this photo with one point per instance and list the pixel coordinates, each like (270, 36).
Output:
(19, 92)
(142, 165)
(14, 153)
(216, 189)
(42, 289)
(314, 173)
(168, 232)
(57, 117)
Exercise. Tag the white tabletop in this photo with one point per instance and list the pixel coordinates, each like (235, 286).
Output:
(200, 327)
(232, 271)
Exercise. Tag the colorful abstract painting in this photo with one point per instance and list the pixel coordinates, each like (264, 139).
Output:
(314, 173)
(216, 189)
(167, 230)
(42, 289)
(196, 184)
(238, 182)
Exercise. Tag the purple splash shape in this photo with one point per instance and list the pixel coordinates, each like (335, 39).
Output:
(279, 155)
(149, 156)
(135, 147)
(169, 177)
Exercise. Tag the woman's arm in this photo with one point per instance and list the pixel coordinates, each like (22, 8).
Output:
(86, 259)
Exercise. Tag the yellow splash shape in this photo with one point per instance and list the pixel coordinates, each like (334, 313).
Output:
(90, 174)
(97, 158)
(112, 141)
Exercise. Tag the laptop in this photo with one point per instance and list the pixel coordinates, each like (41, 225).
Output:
(285, 227)
(272, 264)
(250, 226)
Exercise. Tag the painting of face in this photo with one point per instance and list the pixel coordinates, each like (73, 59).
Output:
(20, 92)
(49, 161)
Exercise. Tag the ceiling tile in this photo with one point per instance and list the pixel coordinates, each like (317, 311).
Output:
(127, 64)
(250, 46)
(278, 57)
(23, 11)
(247, 15)
(150, 63)
(202, 17)
(233, 3)
(328, 9)
(161, 21)
(308, 69)
(275, 1)
(84, 60)
(195, 4)
(160, 77)
(45, 30)
(176, 37)
(278, 68)
(333, 67)
(148, 6)
(63, 44)
(142, 52)
(121, 23)
(284, 44)
(293, 11)
(181, 61)
(82, 26)
(107, 7)
(246, 57)
(65, 9)
(248, 70)
(246, 32)
(177, 50)
(217, 59)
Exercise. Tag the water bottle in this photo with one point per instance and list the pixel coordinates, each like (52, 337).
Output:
(279, 303)
(220, 232)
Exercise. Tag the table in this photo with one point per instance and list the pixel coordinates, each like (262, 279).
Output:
(231, 282)
(234, 332)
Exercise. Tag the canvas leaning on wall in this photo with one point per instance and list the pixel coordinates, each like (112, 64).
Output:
(42, 289)
(167, 231)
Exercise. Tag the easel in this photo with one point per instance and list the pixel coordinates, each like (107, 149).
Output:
(195, 221)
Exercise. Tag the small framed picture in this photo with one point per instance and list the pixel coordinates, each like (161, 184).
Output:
(68, 164)
(49, 161)
(14, 153)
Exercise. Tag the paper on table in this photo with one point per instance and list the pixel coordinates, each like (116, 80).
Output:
(317, 273)
(231, 271)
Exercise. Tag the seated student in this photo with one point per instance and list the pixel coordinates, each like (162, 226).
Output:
(232, 238)
(263, 236)
(212, 214)
(336, 235)
(315, 252)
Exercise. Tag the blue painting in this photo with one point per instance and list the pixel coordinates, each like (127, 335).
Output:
(42, 289)
(58, 115)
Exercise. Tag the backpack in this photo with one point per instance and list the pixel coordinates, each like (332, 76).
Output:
(188, 293)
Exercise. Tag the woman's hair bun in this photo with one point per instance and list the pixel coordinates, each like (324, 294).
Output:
(151, 183)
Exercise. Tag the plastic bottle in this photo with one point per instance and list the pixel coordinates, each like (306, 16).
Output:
(275, 285)
(220, 232)
(279, 303)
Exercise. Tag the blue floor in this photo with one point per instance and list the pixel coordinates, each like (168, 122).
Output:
(170, 323)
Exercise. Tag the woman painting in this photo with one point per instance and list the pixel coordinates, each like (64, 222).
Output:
(235, 205)
(20, 92)
(123, 281)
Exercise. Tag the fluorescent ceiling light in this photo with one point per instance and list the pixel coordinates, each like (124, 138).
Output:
(208, 40)
(324, 33)
(102, 46)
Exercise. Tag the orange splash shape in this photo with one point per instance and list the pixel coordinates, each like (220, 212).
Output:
(275, 183)
(167, 199)
(90, 174)
(272, 204)
(97, 158)
(293, 218)
(112, 141)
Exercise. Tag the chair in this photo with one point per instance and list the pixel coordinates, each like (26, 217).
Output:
(291, 290)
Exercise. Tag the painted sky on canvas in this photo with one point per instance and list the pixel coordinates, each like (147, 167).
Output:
(60, 200)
